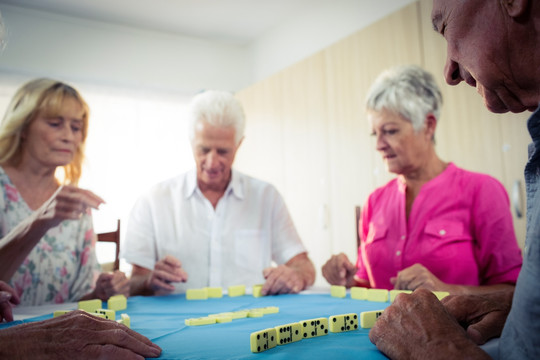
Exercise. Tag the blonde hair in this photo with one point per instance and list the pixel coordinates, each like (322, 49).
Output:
(45, 97)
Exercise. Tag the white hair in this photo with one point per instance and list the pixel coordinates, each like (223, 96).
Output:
(409, 91)
(217, 108)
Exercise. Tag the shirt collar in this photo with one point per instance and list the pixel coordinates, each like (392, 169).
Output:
(402, 186)
(191, 183)
(236, 185)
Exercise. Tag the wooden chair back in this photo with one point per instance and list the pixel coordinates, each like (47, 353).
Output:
(113, 237)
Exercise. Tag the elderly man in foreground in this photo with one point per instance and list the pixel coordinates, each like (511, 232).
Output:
(494, 46)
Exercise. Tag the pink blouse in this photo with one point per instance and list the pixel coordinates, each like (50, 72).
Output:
(460, 228)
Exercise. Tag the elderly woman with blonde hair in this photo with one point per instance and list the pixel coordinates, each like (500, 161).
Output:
(46, 232)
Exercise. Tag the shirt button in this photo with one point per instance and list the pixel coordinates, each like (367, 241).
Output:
(442, 232)
(402, 237)
(398, 253)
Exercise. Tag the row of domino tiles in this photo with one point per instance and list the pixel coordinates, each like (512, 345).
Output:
(376, 295)
(217, 292)
(285, 334)
(358, 293)
(95, 307)
(229, 316)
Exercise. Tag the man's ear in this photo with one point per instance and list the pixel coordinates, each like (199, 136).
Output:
(515, 8)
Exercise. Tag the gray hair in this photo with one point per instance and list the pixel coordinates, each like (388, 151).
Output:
(217, 108)
(409, 91)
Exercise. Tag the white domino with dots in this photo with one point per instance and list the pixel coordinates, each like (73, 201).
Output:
(368, 318)
(314, 327)
(342, 323)
(263, 340)
(108, 314)
(288, 333)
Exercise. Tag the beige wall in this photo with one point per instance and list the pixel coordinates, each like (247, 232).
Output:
(307, 132)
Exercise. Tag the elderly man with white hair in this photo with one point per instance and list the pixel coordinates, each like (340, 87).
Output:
(214, 226)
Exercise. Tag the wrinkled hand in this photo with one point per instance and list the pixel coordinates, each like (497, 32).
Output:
(417, 326)
(166, 271)
(338, 270)
(483, 316)
(71, 203)
(109, 284)
(282, 280)
(76, 335)
(415, 277)
(8, 296)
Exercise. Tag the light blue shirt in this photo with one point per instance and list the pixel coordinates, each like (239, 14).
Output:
(521, 334)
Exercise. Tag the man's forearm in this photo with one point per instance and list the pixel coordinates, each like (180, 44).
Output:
(308, 272)
(304, 267)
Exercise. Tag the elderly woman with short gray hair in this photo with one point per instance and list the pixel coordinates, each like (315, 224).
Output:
(434, 226)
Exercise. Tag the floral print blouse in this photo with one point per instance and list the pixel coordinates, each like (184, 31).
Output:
(62, 267)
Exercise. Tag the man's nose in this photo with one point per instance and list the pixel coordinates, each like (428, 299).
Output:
(451, 72)
(211, 158)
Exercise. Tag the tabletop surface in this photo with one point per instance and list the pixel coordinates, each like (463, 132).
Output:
(161, 319)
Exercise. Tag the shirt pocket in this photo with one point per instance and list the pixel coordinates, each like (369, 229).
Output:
(445, 239)
(375, 247)
(251, 250)
(376, 232)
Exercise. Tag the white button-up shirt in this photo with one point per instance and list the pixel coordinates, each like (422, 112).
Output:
(229, 245)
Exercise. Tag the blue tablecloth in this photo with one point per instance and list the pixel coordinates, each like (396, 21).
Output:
(161, 318)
